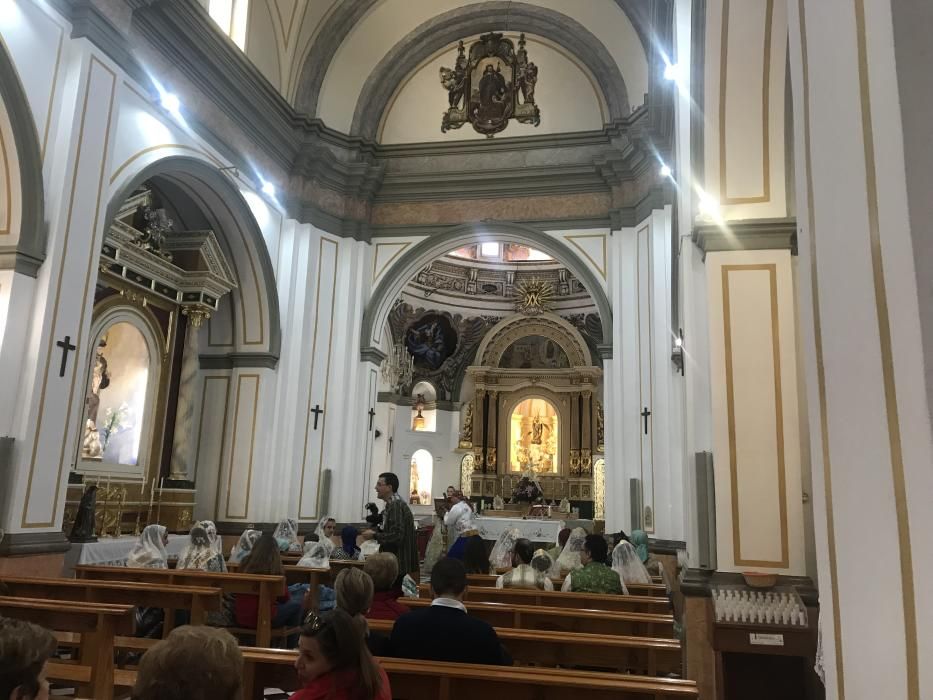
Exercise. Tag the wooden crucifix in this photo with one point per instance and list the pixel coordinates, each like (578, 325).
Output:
(66, 346)
(317, 411)
(372, 414)
(644, 414)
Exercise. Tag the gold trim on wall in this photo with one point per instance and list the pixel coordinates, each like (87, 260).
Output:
(908, 595)
(820, 372)
(601, 269)
(771, 269)
(58, 291)
(252, 443)
(317, 316)
(724, 197)
(403, 244)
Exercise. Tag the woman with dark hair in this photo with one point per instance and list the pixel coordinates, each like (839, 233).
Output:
(334, 663)
(348, 548)
(286, 609)
(475, 558)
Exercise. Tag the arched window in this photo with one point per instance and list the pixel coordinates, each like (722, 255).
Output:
(422, 474)
(231, 16)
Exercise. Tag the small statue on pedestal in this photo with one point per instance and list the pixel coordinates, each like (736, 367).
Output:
(83, 528)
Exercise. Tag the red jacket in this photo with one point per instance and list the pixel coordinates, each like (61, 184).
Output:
(338, 686)
(386, 606)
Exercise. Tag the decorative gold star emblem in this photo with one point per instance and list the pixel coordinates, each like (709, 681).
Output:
(533, 296)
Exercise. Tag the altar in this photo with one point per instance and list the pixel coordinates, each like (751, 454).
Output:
(112, 551)
(536, 530)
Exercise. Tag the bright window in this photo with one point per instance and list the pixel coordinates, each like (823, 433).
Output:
(231, 16)
(489, 250)
(422, 474)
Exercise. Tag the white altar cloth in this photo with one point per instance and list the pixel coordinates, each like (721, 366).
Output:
(534, 530)
(112, 551)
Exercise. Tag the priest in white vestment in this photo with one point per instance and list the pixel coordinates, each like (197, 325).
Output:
(460, 521)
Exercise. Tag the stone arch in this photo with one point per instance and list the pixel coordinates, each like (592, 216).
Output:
(501, 336)
(448, 27)
(228, 214)
(28, 253)
(420, 254)
(345, 16)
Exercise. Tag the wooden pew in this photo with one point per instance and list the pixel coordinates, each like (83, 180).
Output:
(531, 617)
(98, 624)
(643, 655)
(559, 599)
(654, 589)
(199, 600)
(268, 588)
(418, 680)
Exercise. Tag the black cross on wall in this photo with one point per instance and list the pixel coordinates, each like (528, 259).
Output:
(317, 411)
(66, 346)
(644, 414)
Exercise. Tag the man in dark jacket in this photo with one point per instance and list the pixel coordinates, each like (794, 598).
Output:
(444, 631)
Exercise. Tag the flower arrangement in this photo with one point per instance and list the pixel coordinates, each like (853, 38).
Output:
(114, 422)
(527, 491)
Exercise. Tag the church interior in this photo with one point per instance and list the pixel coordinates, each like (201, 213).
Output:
(629, 266)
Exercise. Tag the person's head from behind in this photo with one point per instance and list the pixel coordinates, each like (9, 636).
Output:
(354, 589)
(334, 641)
(264, 558)
(542, 561)
(24, 650)
(594, 549)
(199, 537)
(383, 570)
(348, 537)
(475, 557)
(562, 536)
(448, 579)
(192, 663)
(386, 485)
(522, 552)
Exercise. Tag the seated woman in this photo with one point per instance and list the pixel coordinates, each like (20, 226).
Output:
(627, 564)
(354, 590)
(404, 584)
(334, 663)
(501, 557)
(475, 558)
(216, 540)
(315, 557)
(594, 576)
(199, 553)
(242, 548)
(149, 552)
(652, 565)
(348, 548)
(523, 574)
(383, 570)
(325, 531)
(561, 543)
(569, 558)
(286, 609)
(286, 535)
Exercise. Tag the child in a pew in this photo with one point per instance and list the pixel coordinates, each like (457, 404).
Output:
(25, 649)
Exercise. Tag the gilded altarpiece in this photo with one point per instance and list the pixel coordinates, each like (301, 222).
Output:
(534, 409)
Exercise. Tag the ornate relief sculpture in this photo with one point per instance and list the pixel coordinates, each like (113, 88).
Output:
(534, 296)
(466, 435)
(600, 429)
(483, 89)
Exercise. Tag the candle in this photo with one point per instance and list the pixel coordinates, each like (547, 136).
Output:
(152, 493)
(161, 486)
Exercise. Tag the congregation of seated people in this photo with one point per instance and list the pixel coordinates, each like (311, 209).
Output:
(335, 645)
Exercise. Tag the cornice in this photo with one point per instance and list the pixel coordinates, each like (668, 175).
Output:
(747, 234)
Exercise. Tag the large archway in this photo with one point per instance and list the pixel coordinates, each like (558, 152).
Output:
(423, 252)
(23, 243)
(253, 315)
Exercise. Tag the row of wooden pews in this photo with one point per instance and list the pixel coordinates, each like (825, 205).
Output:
(541, 630)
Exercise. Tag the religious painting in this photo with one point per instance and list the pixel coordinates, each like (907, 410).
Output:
(431, 340)
(116, 396)
(490, 85)
(534, 438)
(534, 352)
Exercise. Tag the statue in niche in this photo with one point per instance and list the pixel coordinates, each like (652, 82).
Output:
(83, 528)
(537, 431)
(600, 428)
(466, 435)
(91, 447)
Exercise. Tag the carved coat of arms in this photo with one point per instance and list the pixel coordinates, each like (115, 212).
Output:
(491, 85)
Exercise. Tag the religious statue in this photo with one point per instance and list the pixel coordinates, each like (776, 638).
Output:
(91, 447)
(537, 431)
(600, 428)
(466, 434)
(83, 528)
(454, 81)
(564, 505)
(498, 503)
(486, 81)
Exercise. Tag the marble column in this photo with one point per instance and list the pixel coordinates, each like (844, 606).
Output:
(182, 464)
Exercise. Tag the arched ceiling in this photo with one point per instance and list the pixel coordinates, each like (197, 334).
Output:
(343, 61)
